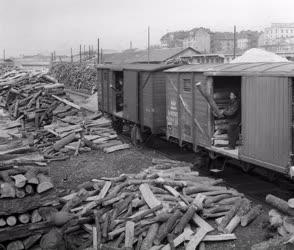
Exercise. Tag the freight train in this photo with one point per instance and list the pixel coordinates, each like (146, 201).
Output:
(157, 98)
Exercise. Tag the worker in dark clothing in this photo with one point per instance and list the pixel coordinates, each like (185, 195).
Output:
(233, 115)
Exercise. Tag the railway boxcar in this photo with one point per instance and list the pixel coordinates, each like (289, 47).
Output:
(266, 93)
(134, 93)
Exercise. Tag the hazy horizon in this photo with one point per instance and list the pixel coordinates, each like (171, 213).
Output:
(41, 26)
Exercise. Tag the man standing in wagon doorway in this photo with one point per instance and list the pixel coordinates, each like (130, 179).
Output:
(233, 115)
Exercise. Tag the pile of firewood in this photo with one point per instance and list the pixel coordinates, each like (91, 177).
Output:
(160, 208)
(75, 76)
(32, 97)
(280, 225)
(77, 134)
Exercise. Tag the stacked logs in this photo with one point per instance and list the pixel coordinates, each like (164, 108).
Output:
(32, 97)
(21, 181)
(76, 76)
(159, 208)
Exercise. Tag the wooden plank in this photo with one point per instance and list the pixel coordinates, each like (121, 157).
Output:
(196, 239)
(220, 237)
(102, 193)
(186, 235)
(129, 235)
(67, 102)
(148, 196)
(202, 223)
(116, 148)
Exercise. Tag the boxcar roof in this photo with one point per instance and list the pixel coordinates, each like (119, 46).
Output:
(192, 68)
(136, 67)
(258, 69)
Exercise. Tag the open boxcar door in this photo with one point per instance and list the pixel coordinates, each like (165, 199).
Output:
(130, 90)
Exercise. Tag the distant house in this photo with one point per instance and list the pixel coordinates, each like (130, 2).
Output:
(199, 39)
(222, 42)
(155, 55)
(278, 38)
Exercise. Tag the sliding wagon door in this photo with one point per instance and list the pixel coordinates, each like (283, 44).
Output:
(265, 122)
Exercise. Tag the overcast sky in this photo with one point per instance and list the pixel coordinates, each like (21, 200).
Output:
(31, 26)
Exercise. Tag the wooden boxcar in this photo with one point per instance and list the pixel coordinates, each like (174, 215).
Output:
(266, 92)
(141, 99)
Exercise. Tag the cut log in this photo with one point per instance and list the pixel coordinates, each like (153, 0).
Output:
(2, 222)
(229, 215)
(105, 225)
(29, 189)
(129, 235)
(19, 180)
(147, 212)
(116, 148)
(44, 183)
(60, 218)
(98, 229)
(251, 215)
(24, 218)
(7, 190)
(64, 141)
(197, 188)
(20, 193)
(167, 227)
(148, 196)
(77, 199)
(52, 240)
(235, 221)
(209, 99)
(170, 239)
(15, 245)
(280, 204)
(11, 220)
(31, 177)
(36, 217)
(151, 234)
(185, 219)
(67, 102)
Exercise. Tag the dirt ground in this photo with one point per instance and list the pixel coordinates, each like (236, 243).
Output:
(78, 169)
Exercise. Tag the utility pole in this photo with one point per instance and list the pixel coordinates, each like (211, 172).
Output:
(80, 53)
(101, 56)
(98, 50)
(84, 51)
(234, 56)
(148, 44)
(71, 56)
(4, 55)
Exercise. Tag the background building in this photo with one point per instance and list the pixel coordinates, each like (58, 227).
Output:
(279, 37)
(199, 39)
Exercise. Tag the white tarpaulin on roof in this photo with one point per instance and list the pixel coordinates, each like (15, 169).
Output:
(259, 55)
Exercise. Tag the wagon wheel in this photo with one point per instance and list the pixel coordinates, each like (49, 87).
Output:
(247, 167)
